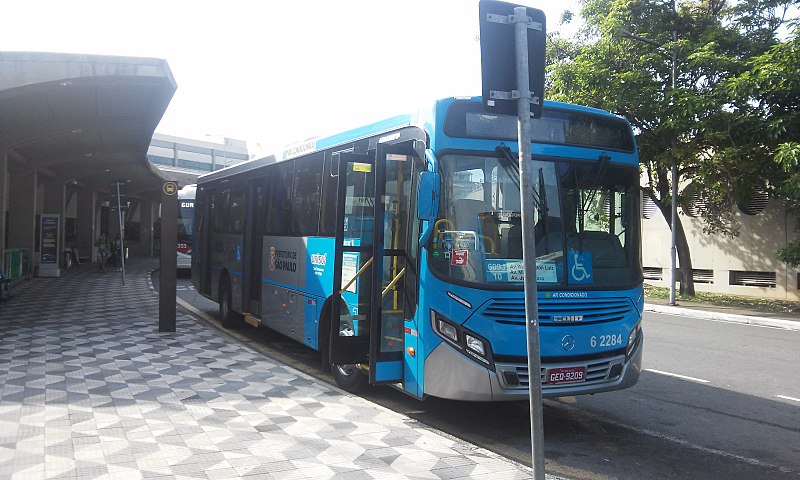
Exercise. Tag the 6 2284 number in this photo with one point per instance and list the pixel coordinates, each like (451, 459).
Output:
(606, 340)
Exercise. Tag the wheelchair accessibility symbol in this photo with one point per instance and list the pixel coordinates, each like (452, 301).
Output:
(580, 266)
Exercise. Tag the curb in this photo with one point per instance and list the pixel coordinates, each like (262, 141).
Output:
(724, 317)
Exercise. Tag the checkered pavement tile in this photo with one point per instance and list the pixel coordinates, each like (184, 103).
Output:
(90, 389)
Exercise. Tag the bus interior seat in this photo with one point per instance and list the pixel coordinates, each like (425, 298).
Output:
(513, 240)
(606, 249)
(553, 241)
(543, 245)
(467, 216)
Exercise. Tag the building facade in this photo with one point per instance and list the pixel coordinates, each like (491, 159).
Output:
(742, 265)
(177, 154)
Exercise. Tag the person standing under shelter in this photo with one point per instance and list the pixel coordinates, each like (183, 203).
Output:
(102, 251)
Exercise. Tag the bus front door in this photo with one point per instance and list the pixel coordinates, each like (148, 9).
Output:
(370, 262)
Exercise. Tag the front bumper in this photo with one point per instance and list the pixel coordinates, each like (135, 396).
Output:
(450, 374)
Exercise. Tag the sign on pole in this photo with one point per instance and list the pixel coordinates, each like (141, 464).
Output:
(119, 199)
(515, 84)
(499, 66)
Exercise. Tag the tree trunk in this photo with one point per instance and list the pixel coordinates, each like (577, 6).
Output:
(684, 258)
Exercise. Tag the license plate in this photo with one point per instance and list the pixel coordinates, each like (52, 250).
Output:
(566, 375)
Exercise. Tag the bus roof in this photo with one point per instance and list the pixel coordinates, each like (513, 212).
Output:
(420, 117)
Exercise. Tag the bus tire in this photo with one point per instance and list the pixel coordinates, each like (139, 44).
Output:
(227, 317)
(349, 378)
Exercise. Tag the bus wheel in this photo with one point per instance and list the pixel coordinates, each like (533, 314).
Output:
(227, 317)
(349, 378)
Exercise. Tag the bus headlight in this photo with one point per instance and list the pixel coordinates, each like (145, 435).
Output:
(632, 339)
(447, 330)
(476, 345)
(469, 343)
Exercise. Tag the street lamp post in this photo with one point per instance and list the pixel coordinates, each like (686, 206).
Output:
(224, 151)
(674, 202)
(674, 247)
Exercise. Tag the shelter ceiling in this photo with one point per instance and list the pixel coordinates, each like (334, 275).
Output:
(89, 121)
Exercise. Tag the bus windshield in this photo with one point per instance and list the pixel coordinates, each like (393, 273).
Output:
(185, 220)
(586, 224)
(186, 197)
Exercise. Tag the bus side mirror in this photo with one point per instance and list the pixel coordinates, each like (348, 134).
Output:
(428, 196)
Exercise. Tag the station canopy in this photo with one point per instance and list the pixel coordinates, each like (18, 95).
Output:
(85, 119)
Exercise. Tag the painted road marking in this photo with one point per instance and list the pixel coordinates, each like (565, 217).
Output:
(652, 433)
(684, 377)
(784, 397)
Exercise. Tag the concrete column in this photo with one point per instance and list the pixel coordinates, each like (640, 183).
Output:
(22, 212)
(146, 227)
(3, 203)
(86, 233)
(133, 216)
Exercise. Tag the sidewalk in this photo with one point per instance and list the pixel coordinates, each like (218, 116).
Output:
(90, 389)
(789, 320)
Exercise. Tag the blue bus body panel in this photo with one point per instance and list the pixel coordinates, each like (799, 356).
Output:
(505, 331)
(296, 269)
(365, 131)
(320, 253)
(506, 334)
(388, 371)
(411, 369)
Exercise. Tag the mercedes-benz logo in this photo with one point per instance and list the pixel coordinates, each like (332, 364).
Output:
(568, 342)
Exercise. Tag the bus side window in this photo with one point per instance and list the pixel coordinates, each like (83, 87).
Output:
(279, 190)
(220, 204)
(327, 218)
(236, 217)
(306, 195)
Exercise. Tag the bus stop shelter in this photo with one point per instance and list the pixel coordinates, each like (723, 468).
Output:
(71, 125)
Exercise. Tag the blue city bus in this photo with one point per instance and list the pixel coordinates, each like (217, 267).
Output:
(396, 251)
(185, 225)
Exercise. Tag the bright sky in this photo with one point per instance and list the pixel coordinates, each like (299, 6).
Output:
(271, 72)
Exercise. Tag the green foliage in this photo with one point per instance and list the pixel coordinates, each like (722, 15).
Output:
(711, 122)
(788, 156)
(790, 254)
(735, 103)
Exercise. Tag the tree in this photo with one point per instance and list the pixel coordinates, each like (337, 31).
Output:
(769, 94)
(696, 124)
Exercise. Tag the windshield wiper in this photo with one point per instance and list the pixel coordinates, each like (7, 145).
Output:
(512, 166)
(601, 168)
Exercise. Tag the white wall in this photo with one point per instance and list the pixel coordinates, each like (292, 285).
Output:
(761, 236)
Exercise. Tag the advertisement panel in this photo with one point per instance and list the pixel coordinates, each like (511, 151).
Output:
(49, 228)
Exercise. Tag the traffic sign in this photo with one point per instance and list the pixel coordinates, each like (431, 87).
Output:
(498, 62)
(170, 188)
(119, 198)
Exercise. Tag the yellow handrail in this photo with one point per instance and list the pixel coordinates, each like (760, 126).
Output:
(443, 220)
(492, 248)
(393, 282)
(359, 272)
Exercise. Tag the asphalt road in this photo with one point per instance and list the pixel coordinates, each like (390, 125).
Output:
(716, 401)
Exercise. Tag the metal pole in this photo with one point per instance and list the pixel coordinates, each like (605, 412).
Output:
(121, 235)
(674, 246)
(528, 241)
